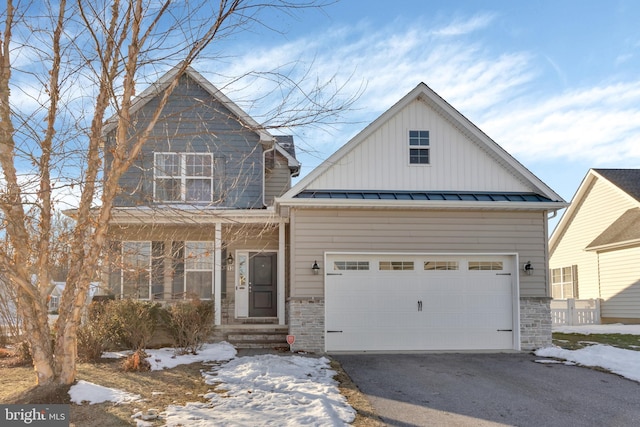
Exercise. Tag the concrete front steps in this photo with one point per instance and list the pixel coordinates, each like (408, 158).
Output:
(272, 337)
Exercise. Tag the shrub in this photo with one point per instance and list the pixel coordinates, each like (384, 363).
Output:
(189, 324)
(97, 333)
(133, 322)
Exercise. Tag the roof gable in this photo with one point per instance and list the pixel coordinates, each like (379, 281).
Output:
(625, 183)
(463, 158)
(155, 89)
(283, 144)
(627, 180)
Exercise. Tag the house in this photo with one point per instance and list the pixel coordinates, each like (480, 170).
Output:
(412, 236)
(195, 216)
(596, 244)
(425, 235)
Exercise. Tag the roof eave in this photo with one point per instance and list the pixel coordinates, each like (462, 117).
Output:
(419, 204)
(612, 246)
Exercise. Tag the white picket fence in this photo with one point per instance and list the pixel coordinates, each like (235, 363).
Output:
(572, 312)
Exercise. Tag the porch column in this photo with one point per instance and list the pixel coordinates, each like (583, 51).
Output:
(217, 275)
(281, 271)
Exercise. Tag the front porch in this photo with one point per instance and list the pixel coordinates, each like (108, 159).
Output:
(235, 258)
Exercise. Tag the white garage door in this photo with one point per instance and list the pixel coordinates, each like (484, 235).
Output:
(419, 302)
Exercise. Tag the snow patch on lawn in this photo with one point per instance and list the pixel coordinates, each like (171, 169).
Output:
(268, 390)
(84, 391)
(619, 361)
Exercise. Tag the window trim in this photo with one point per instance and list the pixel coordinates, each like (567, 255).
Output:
(187, 270)
(183, 178)
(419, 146)
(149, 269)
(562, 283)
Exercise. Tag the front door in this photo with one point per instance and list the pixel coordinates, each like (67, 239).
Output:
(263, 285)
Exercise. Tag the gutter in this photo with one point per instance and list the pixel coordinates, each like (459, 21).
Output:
(419, 204)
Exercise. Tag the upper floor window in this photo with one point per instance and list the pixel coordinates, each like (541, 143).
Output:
(183, 177)
(419, 147)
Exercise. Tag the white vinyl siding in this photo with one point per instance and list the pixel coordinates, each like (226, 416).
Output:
(620, 283)
(380, 162)
(601, 206)
(357, 230)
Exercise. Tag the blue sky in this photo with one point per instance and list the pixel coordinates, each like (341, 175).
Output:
(555, 83)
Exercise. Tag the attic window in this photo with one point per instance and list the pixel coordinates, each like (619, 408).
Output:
(419, 147)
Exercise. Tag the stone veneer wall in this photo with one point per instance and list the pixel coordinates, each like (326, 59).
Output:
(306, 323)
(535, 322)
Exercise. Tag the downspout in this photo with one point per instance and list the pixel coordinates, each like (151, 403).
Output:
(264, 170)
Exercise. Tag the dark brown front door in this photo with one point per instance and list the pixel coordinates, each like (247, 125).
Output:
(262, 285)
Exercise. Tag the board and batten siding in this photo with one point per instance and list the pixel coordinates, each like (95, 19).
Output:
(315, 231)
(456, 163)
(620, 284)
(194, 121)
(601, 206)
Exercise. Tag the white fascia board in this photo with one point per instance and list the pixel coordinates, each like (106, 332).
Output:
(176, 216)
(420, 204)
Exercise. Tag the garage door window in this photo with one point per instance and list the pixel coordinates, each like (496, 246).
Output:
(351, 265)
(485, 265)
(396, 265)
(441, 265)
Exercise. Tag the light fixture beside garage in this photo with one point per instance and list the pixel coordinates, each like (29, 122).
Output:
(315, 267)
(528, 268)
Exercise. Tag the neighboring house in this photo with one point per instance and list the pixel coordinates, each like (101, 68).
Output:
(595, 248)
(55, 293)
(421, 227)
(412, 236)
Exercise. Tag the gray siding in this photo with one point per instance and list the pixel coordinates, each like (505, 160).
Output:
(193, 121)
(277, 180)
(314, 231)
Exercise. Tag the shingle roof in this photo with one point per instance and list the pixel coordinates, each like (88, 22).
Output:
(286, 142)
(628, 180)
(625, 229)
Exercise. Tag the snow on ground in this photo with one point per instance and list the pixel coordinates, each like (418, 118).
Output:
(258, 390)
(617, 360)
(165, 358)
(620, 361)
(268, 390)
(85, 391)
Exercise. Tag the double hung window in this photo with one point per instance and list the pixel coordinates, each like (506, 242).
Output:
(419, 148)
(183, 177)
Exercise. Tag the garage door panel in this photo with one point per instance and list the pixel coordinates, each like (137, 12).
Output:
(419, 309)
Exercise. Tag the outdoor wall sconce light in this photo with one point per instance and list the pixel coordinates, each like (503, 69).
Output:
(315, 268)
(528, 268)
(229, 260)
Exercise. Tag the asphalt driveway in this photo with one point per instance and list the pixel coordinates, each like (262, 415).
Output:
(465, 389)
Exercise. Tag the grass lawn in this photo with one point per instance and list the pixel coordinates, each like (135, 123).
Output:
(158, 389)
(578, 341)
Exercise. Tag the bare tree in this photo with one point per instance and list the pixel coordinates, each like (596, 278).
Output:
(66, 66)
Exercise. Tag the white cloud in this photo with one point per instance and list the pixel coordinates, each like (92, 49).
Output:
(466, 26)
(501, 92)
